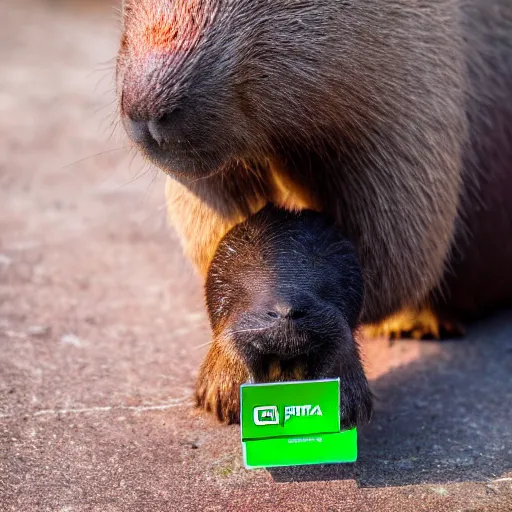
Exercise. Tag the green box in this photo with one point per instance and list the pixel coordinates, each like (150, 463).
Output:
(294, 423)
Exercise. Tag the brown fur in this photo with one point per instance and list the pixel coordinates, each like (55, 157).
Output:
(394, 117)
(284, 293)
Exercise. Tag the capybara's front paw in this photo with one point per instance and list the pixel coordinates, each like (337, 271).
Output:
(218, 384)
(356, 402)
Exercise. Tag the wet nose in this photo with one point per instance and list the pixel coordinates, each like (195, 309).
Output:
(278, 326)
(286, 311)
(162, 131)
(152, 110)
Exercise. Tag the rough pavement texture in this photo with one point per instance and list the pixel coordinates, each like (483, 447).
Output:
(102, 329)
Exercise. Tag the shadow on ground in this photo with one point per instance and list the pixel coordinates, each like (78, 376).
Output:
(441, 419)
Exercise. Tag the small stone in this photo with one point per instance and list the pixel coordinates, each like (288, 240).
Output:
(420, 404)
(405, 464)
(38, 331)
(71, 339)
(441, 491)
(5, 260)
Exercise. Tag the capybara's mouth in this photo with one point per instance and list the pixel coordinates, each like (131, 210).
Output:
(184, 163)
(272, 368)
(174, 156)
(304, 358)
(305, 348)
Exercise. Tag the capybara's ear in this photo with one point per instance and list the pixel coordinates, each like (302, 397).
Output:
(218, 385)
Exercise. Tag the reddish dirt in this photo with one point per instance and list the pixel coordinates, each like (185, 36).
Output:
(102, 329)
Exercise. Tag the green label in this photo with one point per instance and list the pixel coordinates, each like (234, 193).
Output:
(340, 447)
(289, 408)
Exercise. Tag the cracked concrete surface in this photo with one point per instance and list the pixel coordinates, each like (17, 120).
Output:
(102, 329)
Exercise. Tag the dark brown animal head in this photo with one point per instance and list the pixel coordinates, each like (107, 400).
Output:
(285, 292)
(204, 83)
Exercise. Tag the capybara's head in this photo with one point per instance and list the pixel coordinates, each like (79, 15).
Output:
(203, 84)
(285, 292)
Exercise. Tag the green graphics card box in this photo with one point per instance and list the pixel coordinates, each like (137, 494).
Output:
(294, 423)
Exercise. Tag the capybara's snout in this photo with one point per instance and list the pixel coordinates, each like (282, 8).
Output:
(275, 323)
(284, 292)
(178, 98)
(287, 335)
(169, 117)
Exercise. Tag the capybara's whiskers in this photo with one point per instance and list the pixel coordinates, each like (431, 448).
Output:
(257, 329)
(96, 155)
(203, 345)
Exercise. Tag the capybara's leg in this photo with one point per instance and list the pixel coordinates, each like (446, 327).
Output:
(218, 385)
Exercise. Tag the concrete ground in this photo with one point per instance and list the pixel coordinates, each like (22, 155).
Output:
(102, 329)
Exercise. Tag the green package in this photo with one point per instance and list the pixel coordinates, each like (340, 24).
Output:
(294, 423)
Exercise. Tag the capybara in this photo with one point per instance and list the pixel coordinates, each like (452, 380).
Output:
(392, 117)
(284, 292)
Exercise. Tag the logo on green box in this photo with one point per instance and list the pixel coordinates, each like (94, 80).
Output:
(269, 414)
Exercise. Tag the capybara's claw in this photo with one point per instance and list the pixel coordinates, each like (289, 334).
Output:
(218, 385)
(356, 402)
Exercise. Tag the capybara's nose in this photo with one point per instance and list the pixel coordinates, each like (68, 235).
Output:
(137, 130)
(286, 311)
(162, 131)
(152, 112)
(276, 328)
